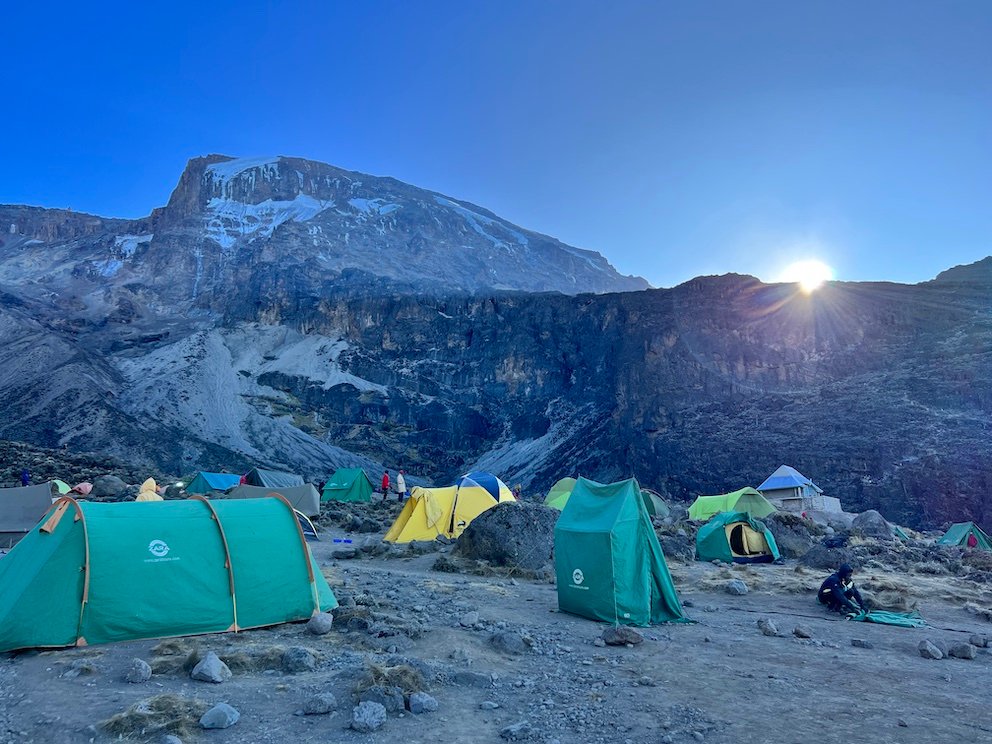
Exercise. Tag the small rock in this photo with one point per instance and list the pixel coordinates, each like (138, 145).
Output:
(469, 619)
(516, 731)
(980, 641)
(767, 627)
(688, 603)
(421, 702)
(621, 635)
(736, 587)
(320, 624)
(508, 642)
(859, 643)
(472, 679)
(298, 659)
(138, 672)
(221, 716)
(929, 651)
(963, 651)
(368, 717)
(488, 705)
(345, 554)
(901, 723)
(802, 631)
(599, 642)
(319, 704)
(211, 669)
(390, 698)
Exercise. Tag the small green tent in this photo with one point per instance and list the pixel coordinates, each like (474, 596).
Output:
(62, 486)
(608, 561)
(656, 505)
(745, 500)
(558, 495)
(204, 483)
(348, 484)
(735, 537)
(272, 478)
(92, 573)
(958, 534)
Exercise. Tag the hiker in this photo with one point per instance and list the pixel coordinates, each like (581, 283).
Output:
(400, 486)
(25, 477)
(972, 541)
(517, 491)
(385, 484)
(839, 594)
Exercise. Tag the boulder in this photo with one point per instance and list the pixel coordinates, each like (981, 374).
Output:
(802, 631)
(827, 559)
(509, 642)
(872, 524)
(221, 716)
(368, 717)
(621, 635)
(319, 704)
(298, 659)
(736, 587)
(138, 672)
(929, 651)
(791, 532)
(321, 623)
(211, 669)
(421, 702)
(517, 535)
(677, 547)
(107, 486)
(963, 651)
(767, 627)
(390, 698)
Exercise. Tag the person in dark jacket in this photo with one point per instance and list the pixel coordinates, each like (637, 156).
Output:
(25, 477)
(839, 594)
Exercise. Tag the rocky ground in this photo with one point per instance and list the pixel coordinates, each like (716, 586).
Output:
(488, 647)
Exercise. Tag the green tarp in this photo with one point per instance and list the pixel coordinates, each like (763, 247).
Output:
(735, 537)
(608, 561)
(348, 484)
(558, 495)
(96, 573)
(203, 483)
(899, 619)
(745, 500)
(958, 535)
(272, 478)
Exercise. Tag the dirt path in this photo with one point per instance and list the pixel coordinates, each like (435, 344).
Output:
(718, 680)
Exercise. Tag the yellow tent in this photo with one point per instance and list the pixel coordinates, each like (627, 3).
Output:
(149, 491)
(432, 512)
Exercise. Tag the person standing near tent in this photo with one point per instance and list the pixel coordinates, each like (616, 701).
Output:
(385, 485)
(839, 594)
(972, 541)
(25, 477)
(400, 486)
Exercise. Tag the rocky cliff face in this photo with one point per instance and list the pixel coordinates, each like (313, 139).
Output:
(212, 335)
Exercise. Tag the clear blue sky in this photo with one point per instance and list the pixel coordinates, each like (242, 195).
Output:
(676, 138)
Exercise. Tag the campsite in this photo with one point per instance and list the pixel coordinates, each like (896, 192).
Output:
(454, 611)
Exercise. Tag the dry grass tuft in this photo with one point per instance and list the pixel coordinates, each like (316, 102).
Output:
(156, 716)
(404, 676)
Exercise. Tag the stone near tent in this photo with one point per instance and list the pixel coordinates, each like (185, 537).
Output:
(827, 559)
(211, 669)
(512, 534)
(368, 717)
(767, 627)
(963, 651)
(872, 524)
(791, 532)
(298, 659)
(107, 486)
(319, 704)
(736, 587)
(421, 702)
(677, 546)
(221, 716)
(390, 698)
(802, 631)
(138, 672)
(321, 623)
(929, 651)
(509, 642)
(621, 635)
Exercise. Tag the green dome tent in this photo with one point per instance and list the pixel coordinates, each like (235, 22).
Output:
(558, 495)
(304, 499)
(608, 561)
(348, 484)
(735, 537)
(656, 505)
(272, 478)
(94, 573)
(745, 500)
(62, 486)
(958, 534)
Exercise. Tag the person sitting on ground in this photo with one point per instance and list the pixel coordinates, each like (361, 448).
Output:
(839, 594)
(400, 486)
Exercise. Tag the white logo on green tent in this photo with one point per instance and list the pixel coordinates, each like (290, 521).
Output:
(158, 548)
(577, 576)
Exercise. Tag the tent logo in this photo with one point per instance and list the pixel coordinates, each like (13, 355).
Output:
(577, 576)
(158, 548)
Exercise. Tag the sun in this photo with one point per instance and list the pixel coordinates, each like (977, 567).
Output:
(810, 274)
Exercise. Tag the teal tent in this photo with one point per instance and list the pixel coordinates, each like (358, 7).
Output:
(348, 484)
(91, 573)
(967, 535)
(272, 479)
(608, 561)
(204, 483)
(735, 537)
(656, 505)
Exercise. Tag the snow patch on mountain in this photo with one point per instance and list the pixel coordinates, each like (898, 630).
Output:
(128, 244)
(476, 222)
(223, 172)
(227, 219)
(373, 206)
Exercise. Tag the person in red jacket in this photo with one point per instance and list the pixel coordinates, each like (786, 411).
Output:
(385, 483)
